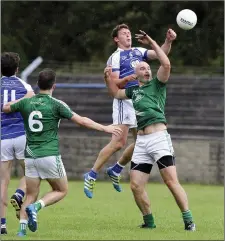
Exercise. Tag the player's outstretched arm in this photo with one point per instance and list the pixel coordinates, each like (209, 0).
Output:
(112, 86)
(166, 47)
(164, 70)
(122, 82)
(7, 107)
(86, 122)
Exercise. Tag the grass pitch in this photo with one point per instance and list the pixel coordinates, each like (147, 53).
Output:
(114, 216)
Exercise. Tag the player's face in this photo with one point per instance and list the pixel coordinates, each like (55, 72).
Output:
(124, 38)
(144, 72)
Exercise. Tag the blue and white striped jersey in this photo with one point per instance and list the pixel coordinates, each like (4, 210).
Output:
(125, 61)
(12, 88)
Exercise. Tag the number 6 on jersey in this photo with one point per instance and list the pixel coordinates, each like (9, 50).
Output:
(33, 122)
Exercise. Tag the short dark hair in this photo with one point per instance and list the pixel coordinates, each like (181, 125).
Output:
(46, 79)
(117, 29)
(9, 63)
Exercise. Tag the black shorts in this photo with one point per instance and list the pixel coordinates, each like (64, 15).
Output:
(163, 162)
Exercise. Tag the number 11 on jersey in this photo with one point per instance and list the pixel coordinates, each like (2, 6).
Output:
(6, 96)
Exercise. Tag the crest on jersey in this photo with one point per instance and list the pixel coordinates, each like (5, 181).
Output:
(134, 62)
(137, 52)
(138, 95)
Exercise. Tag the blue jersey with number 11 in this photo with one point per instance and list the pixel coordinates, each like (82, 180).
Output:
(12, 88)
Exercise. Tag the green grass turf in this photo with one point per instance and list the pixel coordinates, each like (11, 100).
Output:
(114, 216)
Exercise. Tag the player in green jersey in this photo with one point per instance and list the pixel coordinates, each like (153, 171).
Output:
(42, 114)
(153, 144)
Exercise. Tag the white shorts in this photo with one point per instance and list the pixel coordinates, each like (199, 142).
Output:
(44, 167)
(150, 148)
(13, 148)
(124, 113)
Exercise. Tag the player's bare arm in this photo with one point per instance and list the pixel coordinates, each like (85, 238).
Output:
(112, 87)
(122, 82)
(164, 70)
(84, 121)
(7, 109)
(166, 47)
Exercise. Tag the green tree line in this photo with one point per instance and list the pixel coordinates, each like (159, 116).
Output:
(81, 31)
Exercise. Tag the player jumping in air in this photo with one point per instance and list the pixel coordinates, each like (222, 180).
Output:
(153, 144)
(42, 114)
(123, 62)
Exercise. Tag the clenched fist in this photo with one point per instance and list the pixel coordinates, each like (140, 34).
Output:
(170, 35)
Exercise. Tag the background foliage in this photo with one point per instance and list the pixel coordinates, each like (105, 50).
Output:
(80, 31)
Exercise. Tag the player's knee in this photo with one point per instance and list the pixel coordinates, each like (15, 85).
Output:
(171, 183)
(118, 144)
(64, 191)
(136, 187)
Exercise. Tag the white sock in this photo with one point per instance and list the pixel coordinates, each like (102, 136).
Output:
(23, 221)
(23, 224)
(120, 165)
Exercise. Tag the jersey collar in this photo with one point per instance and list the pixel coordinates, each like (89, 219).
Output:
(119, 49)
(9, 76)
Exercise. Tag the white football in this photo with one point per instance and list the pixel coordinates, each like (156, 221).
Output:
(186, 19)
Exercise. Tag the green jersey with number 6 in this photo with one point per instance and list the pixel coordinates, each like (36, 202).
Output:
(149, 102)
(42, 114)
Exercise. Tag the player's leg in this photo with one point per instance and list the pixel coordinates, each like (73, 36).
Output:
(115, 171)
(59, 191)
(141, 165)
(16, 200)
(32, 190)
(129, 118)
(116, 143)
(6, 167)
(163, 153)
(169, 174)
(7, 156)
(52, 169)
(128, 152)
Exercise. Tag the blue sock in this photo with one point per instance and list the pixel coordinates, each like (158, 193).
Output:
(3, 221)
(20, 194)
(93, 174)
(117, 168)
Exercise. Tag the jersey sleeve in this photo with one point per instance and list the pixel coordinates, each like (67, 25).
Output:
(64, 111)
(144, 53)
(114, 61)
(26, 86)
(158, 83)
(18, 106)
(129, 92)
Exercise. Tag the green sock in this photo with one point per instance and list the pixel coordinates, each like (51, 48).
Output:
(23, 226)
(149, 220)
(39, 205)
(187, 216)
